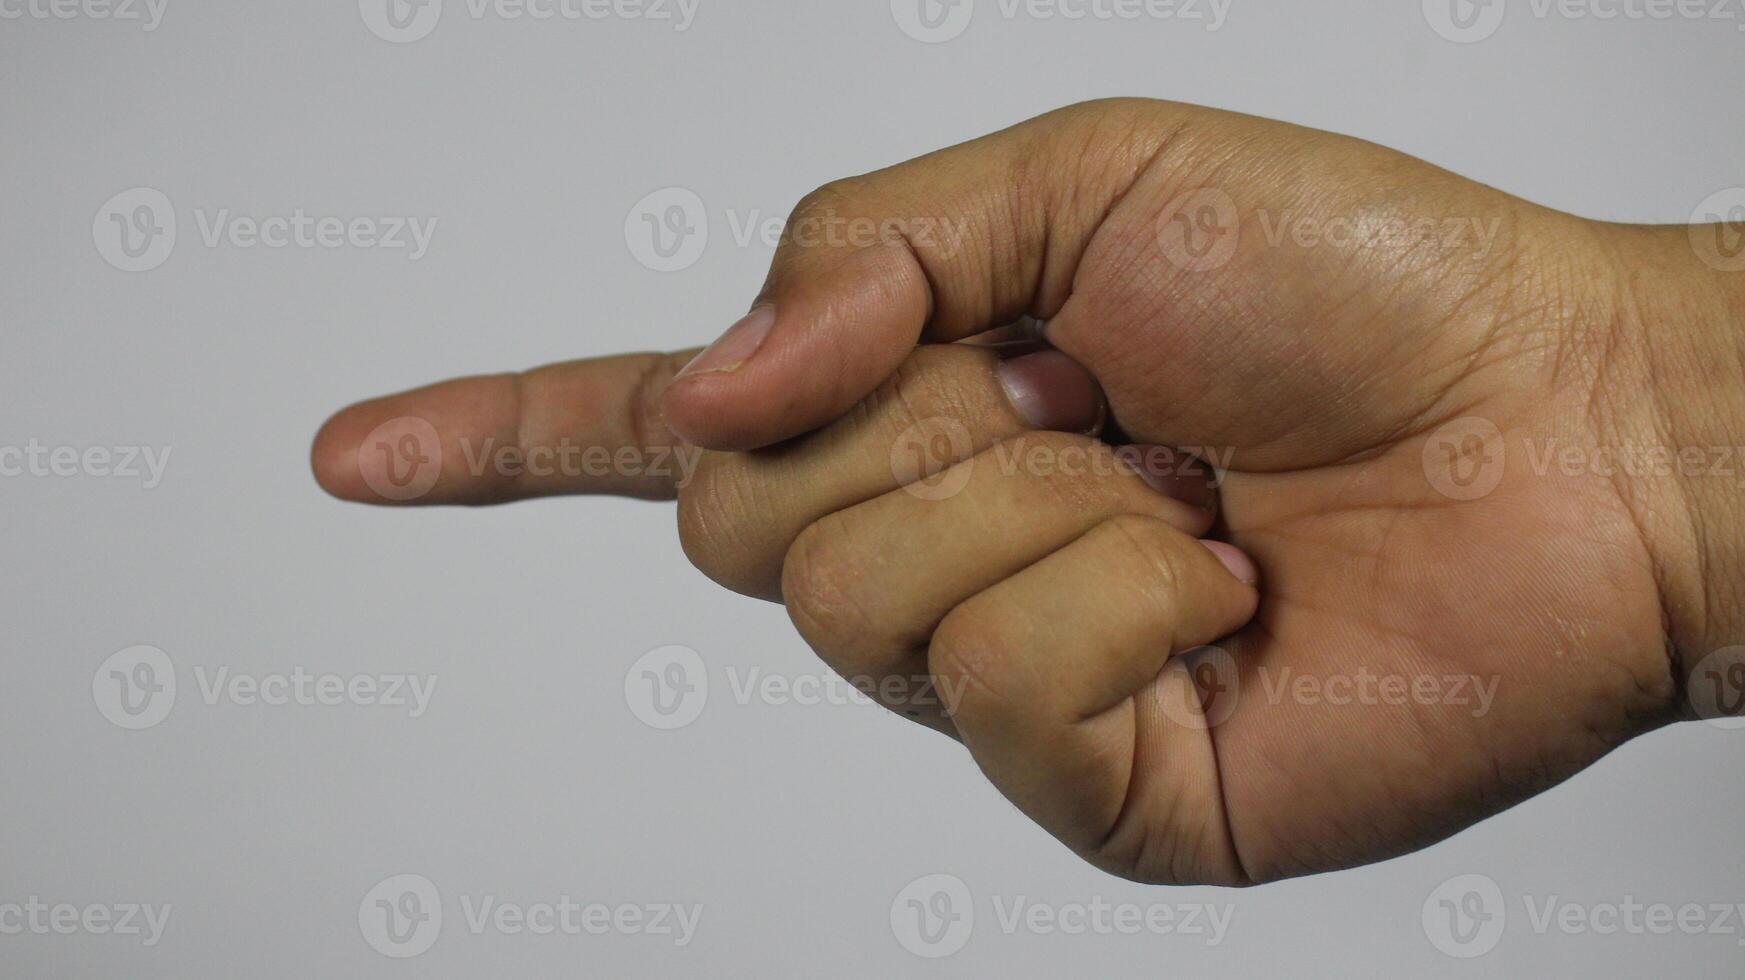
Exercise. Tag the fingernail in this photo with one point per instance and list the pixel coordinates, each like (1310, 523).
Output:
(1052, 392)
(1173, 473)
(1236, 560)
(735, 347)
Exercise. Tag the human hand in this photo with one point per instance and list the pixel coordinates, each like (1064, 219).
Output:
(960, 548)
(1332, 379)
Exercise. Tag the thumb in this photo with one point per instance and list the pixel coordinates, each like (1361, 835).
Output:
(937, 249)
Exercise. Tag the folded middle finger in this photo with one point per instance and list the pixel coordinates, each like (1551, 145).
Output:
(740, 512)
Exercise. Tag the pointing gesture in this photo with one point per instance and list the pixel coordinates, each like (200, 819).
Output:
(1410, 593)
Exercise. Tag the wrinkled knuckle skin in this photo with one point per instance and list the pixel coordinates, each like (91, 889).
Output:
(970, 659)
(1073, 469)
(1055, 444)
(934, 380)
(1105, 139)
(833, 198)
(821, 588)
(713, 512)
(1070, 123)
(1156, 544)
(1061, 443)
(933, 383)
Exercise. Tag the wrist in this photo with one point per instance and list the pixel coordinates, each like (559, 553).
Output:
(1676, 375)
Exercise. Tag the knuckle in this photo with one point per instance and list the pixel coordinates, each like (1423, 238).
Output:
(970, 659)
(930, 384)
(1072, 470)
(645, 421)
(1057, 444)
(835, 196)
(1154, 544)
(713, 516)
(1120, 114)
(1095, 136)
(823, 589)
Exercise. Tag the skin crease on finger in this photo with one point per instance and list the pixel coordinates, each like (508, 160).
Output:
(862, 611)
(742, 512)
(1336, 381)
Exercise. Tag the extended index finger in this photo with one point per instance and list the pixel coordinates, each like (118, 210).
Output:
(582, 427)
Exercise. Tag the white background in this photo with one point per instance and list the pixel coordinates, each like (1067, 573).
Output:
(529, 778)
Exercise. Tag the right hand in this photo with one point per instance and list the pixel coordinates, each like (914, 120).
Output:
(1364, 391)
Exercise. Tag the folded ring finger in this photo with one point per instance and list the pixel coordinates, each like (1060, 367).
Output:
(868, 585)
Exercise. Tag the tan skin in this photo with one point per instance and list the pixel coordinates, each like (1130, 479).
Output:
(1059, 613)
